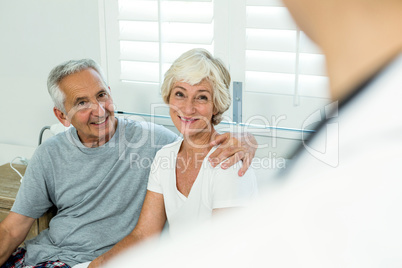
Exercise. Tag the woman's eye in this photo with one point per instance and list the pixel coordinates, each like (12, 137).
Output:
(202, 98)
(179, 94)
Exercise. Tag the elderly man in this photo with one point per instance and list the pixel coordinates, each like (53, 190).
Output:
(324, 212)
(92, 173)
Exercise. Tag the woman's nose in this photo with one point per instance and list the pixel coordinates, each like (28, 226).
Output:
(189, 106)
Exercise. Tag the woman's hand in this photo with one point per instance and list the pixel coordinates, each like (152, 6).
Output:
(234, 147)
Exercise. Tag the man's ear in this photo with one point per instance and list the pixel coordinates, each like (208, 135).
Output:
(62, 117)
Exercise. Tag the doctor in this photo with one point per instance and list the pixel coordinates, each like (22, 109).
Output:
(340, 204)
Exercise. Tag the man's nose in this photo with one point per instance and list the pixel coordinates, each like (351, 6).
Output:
(98, 108)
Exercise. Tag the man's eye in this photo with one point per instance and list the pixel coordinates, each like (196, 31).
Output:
(103, 95)
(82, 105)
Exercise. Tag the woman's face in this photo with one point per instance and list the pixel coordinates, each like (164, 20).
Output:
(191, 108)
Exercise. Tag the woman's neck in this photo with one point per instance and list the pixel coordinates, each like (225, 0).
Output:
(198, 143)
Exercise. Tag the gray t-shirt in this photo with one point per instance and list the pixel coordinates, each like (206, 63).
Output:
(98, 192)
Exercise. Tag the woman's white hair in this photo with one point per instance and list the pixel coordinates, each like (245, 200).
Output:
(63, 70)
(194, 66)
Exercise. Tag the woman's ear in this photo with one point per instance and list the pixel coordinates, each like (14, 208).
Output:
(61, 117)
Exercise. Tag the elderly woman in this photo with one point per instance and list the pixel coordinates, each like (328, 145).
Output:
(196, 87)
(183, 187)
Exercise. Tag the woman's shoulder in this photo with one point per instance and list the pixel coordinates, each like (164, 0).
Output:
(170, 148)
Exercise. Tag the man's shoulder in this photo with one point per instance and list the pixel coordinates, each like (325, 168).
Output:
(55, 141)
(161, 132)
(143, 124)
(50, 150)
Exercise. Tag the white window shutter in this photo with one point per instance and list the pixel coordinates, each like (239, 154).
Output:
(154, 33)
(282, 71)
(279, 58)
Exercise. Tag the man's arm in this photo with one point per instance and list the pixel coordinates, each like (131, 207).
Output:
(13, 230)
(151, 222)
(234, 147)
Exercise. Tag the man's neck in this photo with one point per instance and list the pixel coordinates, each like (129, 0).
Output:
(94, 144)
(105, 137)
(354, 53)
(347, 76)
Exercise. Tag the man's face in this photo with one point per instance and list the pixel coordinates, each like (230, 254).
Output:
(304, 13)
(89, 107)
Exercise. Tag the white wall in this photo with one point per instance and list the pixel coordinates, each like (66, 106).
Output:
(36, 36)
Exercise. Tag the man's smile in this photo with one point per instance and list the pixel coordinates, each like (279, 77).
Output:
(98, 123)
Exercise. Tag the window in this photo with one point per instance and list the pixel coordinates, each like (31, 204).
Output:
(280, 71)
